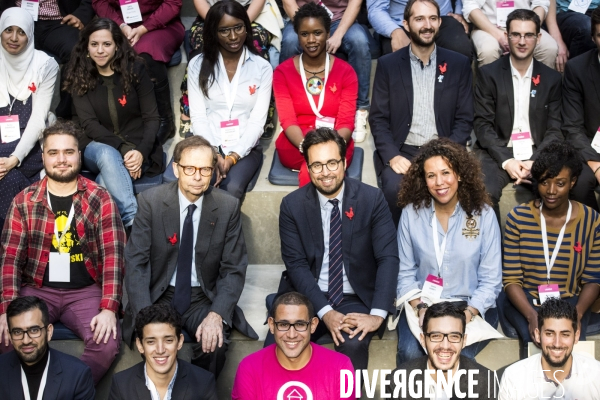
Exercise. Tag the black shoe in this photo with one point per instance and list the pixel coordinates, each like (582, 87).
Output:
(166, 130)
(268, 132)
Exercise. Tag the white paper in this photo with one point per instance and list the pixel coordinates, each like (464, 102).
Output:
(503, 8)
(325, 122)
(32, 7)
(230, 132)
(432, 290)
(522, 146)
(9, 128)
(131, 11)
(596, 141)
(580, 6)
(59, 267)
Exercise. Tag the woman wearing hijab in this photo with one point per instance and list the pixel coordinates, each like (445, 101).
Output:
(27, 78)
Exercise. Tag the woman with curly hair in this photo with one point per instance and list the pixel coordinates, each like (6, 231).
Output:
(114, 99)
(448, 233)
(551, 246)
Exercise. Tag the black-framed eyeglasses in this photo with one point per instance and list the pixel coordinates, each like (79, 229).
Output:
(238, 29)
(299, 326)
(516, 37)
(332, 165)
(436, 337)
(191, 170)
(34, 332)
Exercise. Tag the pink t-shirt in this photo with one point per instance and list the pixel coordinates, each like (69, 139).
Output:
(261, 377)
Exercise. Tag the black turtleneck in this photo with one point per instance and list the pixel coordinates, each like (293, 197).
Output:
(34, 374)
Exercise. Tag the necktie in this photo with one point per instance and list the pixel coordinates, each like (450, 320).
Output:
(183, 283)
(336, 267)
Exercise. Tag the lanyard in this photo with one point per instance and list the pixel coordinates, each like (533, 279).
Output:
(42, 383)
(439, 252)
(550, 262)
(11, 106)
(67, 225)
(311, 101)
(233, 85)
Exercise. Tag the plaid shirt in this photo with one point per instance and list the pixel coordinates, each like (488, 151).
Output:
(27, 239)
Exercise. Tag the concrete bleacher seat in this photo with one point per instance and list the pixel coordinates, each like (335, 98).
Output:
(280, 175)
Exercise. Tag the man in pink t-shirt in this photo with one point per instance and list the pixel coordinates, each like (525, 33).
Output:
(293, 368)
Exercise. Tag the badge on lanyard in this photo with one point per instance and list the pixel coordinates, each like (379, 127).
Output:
(32, 7)
(230, 129)
(547, 292)
(230, 132)
(9, 128)
(434, 285)
(596, 141)
(131, 11)
(580, 6)
(503, 8)
(432, 288)
(59, 265)
(522, 145)
(325, 122)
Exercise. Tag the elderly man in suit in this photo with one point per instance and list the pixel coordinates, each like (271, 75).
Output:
(187, 249)
(339, 247)
(420, 92)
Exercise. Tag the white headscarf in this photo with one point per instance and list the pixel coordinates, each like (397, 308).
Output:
(18, 72)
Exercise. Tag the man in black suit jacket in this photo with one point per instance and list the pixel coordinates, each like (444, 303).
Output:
(161, 375)
(339, 247)
(581, 107)
(444, 337)
(420, 92)
(187, 248)
(66, 376)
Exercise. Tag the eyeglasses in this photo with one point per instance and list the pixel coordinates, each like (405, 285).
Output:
(34, 332)
(190, 170)
(516, 37)
(299, 326)
(238, 29)
(436, 337)
(332, 165)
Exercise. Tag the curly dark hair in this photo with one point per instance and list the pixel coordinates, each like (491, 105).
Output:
(81, 72)
(157, 314)
(62, 127)
(554, 308)
(471, 190)
(551, 160)
(312, 10)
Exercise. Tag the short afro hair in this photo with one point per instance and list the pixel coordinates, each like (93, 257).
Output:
(557, 309)
(552, 159)
(312, 10)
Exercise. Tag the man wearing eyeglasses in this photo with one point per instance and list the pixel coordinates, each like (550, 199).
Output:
(34, 370)
(187, 249)
(443, 337)
(338, 243)
(297, 368)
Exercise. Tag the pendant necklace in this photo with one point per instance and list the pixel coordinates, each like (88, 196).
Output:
(314, 85)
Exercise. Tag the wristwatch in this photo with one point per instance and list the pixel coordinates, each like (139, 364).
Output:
(472, 314)
(419, 307)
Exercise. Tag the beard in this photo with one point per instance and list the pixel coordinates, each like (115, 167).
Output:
(34, 357)
(65, 177)
(551, 362)
(416, 39)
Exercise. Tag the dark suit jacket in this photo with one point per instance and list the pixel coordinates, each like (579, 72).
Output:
(481, 389)
(82, 9)
(68, 378)
(581, 103)
(495, 108)
(191, 383)
(369, 245)
(393, 99)
(221, 259)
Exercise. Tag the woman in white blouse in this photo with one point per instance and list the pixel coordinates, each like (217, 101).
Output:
(229, 88)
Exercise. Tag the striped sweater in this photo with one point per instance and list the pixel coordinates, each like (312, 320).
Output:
(578, 260)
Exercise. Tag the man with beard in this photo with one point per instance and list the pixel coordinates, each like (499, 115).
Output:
(556, 373)
(34, 370)
(443, 337)
(63, 241)
(339, 247)
(420, 92)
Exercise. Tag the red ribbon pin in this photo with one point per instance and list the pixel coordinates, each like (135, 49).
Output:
(349, 214)
(173, 239)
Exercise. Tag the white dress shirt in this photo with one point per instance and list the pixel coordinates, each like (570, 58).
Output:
(488, 7)
(152, 387)
(250, 105)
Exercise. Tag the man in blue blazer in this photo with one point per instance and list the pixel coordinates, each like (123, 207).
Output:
(57, 375)
(420, 92)
(339, 247)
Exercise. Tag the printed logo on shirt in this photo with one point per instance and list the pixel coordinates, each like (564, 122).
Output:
(71, 240)
(294, 390)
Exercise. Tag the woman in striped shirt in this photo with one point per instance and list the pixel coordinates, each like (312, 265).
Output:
(551, 246)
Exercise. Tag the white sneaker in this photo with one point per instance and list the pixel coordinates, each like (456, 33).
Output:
(360, 126)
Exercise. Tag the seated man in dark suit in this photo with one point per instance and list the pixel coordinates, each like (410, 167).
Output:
(444, 337)
(581, 107)
(187, 249)
(339, 247)
(48, 372)
(161, 375)
(420, 92)
(517, 110)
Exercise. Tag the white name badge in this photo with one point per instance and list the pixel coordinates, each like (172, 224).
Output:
(596, 141)
(59, 267)
(503, 8)
(432, 288)
(522, 145)
(9, 128)
(325, 122)
(230, 132)
(547, 292)
(580, 6)
(131, 11)
(32, 7)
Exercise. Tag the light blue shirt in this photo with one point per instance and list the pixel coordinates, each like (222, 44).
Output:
(183, 210)
(152, 388)
(471, 265)
(387, 15)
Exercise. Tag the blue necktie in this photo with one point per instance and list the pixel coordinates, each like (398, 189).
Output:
(336, 265)
(183, 283)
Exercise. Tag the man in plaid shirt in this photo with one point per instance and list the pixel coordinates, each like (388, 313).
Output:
(63, 241)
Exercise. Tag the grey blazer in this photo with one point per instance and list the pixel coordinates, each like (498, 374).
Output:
(221, 258)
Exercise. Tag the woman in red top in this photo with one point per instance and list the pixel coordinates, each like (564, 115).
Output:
(305, 76)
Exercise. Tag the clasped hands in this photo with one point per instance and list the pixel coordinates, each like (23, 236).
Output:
(519, 170)
(352, 323)
(134, 34)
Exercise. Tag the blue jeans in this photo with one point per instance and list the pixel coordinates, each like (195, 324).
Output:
(106, 161)
(576, 31)
(410, 348)
(355, 44)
